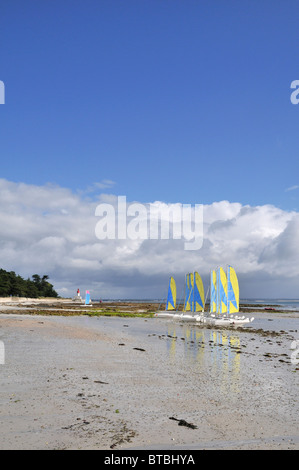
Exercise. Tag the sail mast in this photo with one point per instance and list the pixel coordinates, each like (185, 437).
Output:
(193, 301)
(228, 284)
(217, 291)
(211, 300)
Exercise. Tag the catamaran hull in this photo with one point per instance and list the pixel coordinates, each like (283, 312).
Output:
(225, 321)
(204, 319)
(176, 316)
(186, 317)
(166, 314)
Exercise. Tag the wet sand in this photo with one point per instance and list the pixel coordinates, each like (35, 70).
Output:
(84, 382)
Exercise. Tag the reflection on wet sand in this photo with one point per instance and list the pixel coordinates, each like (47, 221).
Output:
(218, 350)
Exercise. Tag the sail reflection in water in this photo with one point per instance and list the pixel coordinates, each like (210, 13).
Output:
(217, 351)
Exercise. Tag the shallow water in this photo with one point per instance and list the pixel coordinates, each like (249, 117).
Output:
(237, 386)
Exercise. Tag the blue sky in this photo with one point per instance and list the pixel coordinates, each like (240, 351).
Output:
(174, 101)
(157, 100)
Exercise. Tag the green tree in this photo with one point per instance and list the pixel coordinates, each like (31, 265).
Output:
(12, 284)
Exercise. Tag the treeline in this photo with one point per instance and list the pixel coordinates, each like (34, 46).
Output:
(14, 285)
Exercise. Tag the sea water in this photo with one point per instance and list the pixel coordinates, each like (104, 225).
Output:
(287, 304)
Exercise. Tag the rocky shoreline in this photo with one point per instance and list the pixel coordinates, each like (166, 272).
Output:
(69, 307)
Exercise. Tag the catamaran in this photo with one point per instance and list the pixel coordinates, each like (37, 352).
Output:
(224, 300)
(194, 299)
(170, 308)
(87, 299)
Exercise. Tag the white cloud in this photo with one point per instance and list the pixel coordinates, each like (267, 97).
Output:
(51, 230)
(104, 184)
(292, 188)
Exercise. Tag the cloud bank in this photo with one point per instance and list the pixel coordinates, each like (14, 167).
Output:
(51, 230)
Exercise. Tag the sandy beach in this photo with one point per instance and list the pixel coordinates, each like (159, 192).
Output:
(73, 381)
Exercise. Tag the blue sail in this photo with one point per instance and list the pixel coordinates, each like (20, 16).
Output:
(187, 306)
(222, 288)
(213, 297)
(87, 298)
(171, 297)
(221, 296)
(199, 300)
(232, 291)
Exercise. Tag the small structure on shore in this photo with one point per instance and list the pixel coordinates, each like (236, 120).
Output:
(78, 297)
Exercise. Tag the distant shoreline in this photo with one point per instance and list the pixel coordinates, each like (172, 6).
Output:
(68, 307)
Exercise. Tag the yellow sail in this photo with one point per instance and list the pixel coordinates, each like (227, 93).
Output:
(199, 294)
(233, 290)
(213, 295)
(189, 293)
(171, 298)
(192, 291)
(187, 305)
(222, 288)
